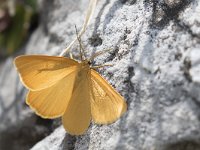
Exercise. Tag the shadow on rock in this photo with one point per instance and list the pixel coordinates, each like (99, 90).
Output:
(182, 145)
(24, 136)
(68, 142)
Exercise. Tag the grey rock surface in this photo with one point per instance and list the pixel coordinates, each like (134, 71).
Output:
(156, 58)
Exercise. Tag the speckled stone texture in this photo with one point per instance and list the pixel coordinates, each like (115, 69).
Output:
(156, 67)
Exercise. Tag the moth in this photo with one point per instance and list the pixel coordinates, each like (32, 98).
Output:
(63, 87)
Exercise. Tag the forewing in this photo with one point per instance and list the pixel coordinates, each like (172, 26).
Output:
(52, 102)
(107, 105)
(77, 117)
(38, 72)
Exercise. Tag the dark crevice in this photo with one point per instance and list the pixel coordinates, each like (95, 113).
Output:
(68, 142)
(163, 13)
(109, 16)
(98, 18)
(55, 39)
(178, 56)
(130, 86)
(182, 145)
(186, 28)
(128, 2)
(186, 69)
(95, 40)
(131, 73)
(113, 54)
(98, 21)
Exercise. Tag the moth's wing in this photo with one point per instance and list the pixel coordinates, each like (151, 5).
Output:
(77, 116)
(38, 72)
(52, 101)
(107, 105)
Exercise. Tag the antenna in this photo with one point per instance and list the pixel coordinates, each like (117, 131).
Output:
(81, 49)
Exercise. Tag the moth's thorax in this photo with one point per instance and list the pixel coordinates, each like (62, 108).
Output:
(83, 68)
(82, 71)
(84, 64)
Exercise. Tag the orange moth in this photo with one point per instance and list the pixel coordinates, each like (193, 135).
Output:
(63, 87)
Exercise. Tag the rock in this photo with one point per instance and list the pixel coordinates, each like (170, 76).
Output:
(155, 55)
(58, 136)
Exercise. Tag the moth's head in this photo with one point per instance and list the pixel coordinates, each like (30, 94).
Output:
(83, 58)
(89, 63)
(86, 62)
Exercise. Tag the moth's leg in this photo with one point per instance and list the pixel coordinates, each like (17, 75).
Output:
(101, 66)
(99, 53)
(71, 55)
